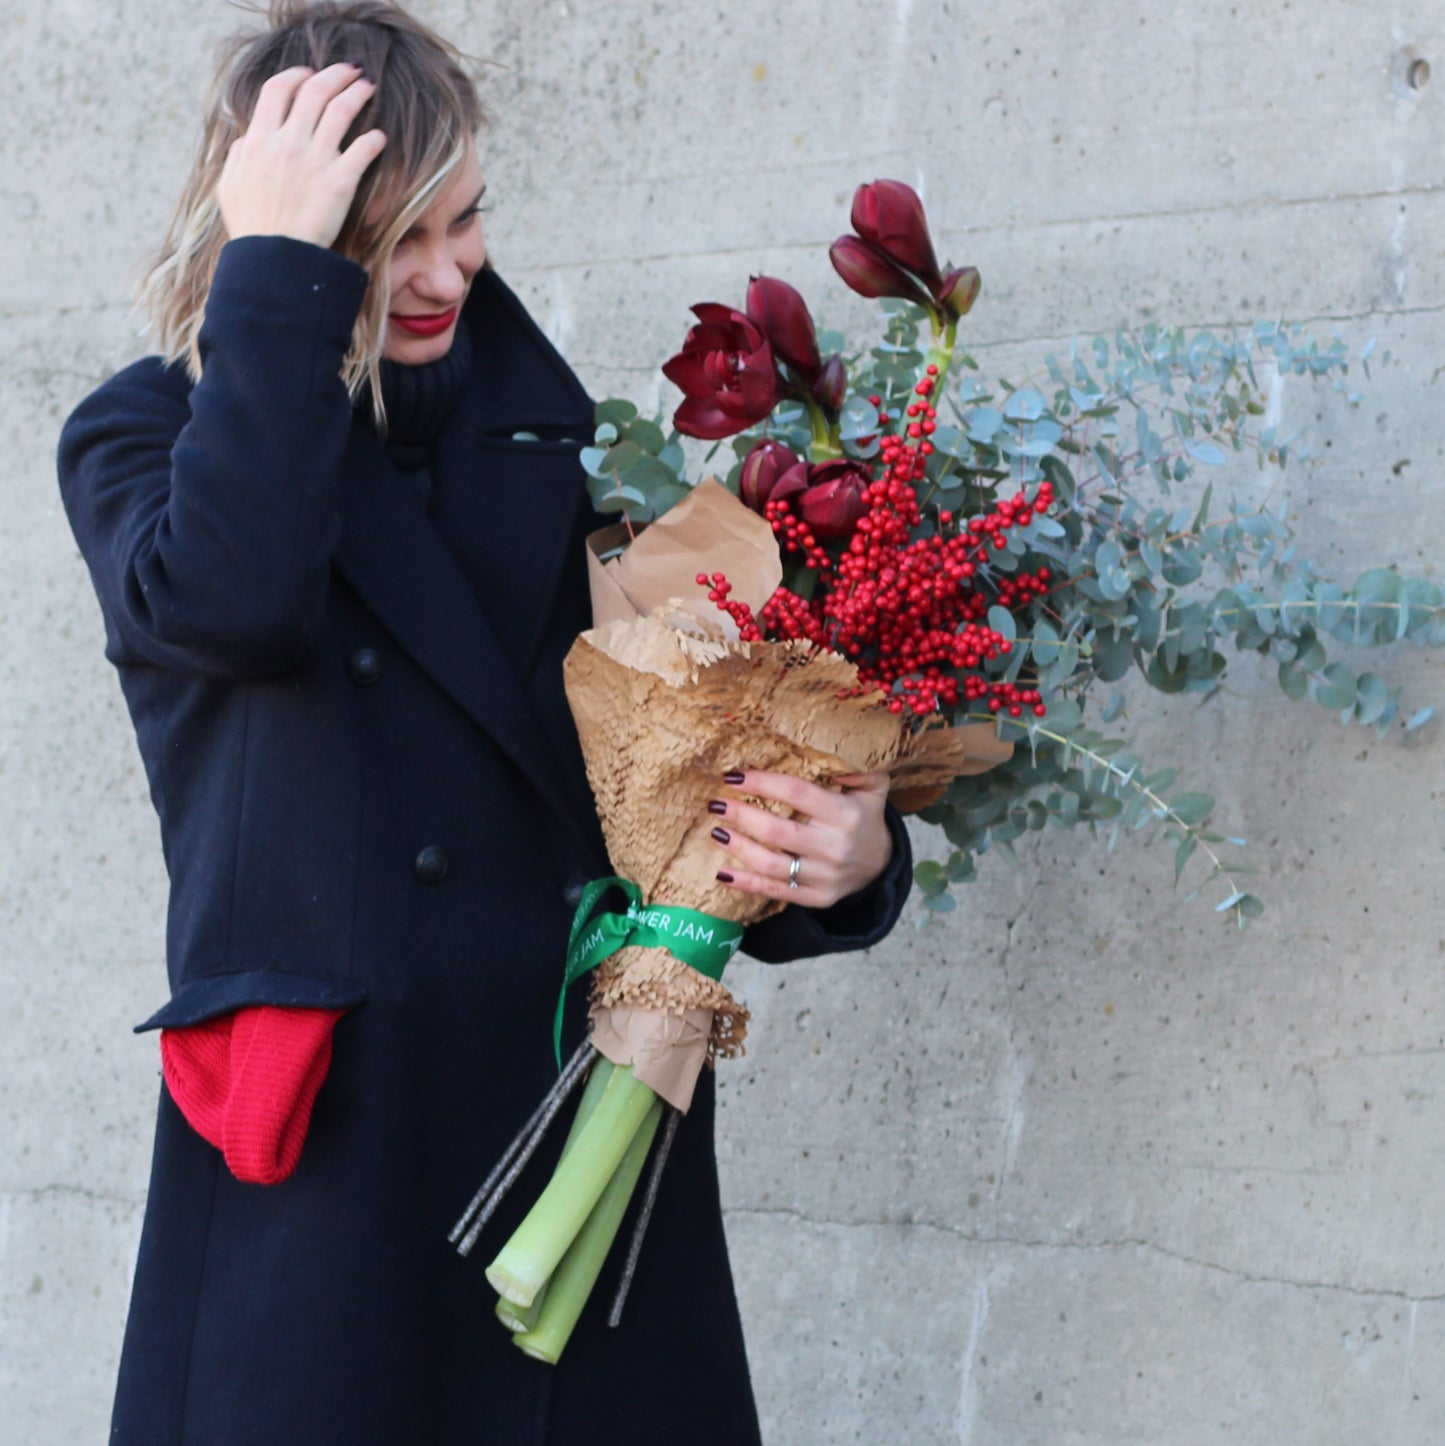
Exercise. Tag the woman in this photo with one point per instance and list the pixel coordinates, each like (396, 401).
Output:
(336, 533)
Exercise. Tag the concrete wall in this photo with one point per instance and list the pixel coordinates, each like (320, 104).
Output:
(1081, 1166)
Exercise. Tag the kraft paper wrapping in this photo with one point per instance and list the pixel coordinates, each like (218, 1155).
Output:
(709, 531)
(666, 702)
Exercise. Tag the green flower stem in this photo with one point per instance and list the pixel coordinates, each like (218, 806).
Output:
(592, 1091)
(523, 1318)
(518, 1318)
(577, 1273)
(940, 354)
(527, 1260)
(824, 445)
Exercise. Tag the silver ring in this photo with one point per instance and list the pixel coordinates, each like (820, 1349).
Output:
(794, 870)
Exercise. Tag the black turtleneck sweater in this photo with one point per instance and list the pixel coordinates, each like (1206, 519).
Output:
(418, 400)
(420, 403)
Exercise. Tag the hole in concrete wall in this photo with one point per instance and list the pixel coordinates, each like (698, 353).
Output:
(1409, 71)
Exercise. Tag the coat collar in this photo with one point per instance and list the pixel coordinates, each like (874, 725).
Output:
(520, 380)
(399, 564)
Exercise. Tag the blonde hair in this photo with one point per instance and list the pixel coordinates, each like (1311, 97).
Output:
(426, 105)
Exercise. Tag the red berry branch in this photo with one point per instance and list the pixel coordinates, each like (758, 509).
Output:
(911, 611)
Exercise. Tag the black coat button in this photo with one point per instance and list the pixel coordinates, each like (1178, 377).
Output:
(572, 893)
(363, 667)
(432, 864)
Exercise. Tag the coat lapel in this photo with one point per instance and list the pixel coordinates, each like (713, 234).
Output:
(398, 562)
(518, 509)
(516, 516)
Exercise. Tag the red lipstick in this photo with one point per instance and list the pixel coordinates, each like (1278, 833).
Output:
(432, 325)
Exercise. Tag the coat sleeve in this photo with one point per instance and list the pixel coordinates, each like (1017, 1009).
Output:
(857, 922)
(208, 520)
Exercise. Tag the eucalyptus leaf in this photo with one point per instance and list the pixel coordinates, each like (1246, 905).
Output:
(1335, 687)
(1294, 681)
(620, 456)
(615, 412)
(649, 473)
(610, 496)
(983, 423)
(1182, 854)
(1063, 717)
(1001, 620)
(1045, 643)
(1373, 698)
(1206, 452)
(1191, 808)
(931, 877)
(645, 434)
(859, 418)
(1113, 656)
(1025, 405)
(1377, 594)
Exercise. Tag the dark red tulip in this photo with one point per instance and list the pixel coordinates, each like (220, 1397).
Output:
(889, 216)
(959, 290)
(832, 503)
(869, 272)
(831, 386)
(726, 373)
(782, 315)
(763, 468)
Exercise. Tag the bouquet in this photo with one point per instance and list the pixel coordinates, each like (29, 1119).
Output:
(904, 569)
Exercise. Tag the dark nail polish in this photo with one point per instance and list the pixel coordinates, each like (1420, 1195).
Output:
(722, 835)
(723, 878)
(733, 778)
(717, 806)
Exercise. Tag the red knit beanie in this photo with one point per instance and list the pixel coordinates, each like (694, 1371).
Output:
(246, 1082)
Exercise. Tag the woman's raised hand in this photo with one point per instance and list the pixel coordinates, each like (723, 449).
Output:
(288, 176)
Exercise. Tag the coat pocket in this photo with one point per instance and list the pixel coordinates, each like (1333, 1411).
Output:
(209, 996)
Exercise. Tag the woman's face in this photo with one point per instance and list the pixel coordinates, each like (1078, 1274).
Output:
(432, 270)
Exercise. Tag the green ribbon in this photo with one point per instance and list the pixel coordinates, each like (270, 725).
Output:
(703, 941)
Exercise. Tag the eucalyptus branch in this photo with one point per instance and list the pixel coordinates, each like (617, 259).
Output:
(1346, 604)
(1192, 832)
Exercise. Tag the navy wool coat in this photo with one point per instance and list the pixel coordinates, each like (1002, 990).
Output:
(370, 795)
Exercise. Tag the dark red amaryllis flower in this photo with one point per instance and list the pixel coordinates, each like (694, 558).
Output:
(726, 373)
(892, 254)
(831, 386)
(866, 270)
(960, 290)
(763, 468)
(889, 216)
(832, 503)
(781, 313)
